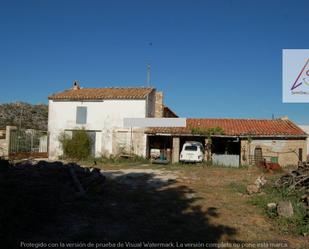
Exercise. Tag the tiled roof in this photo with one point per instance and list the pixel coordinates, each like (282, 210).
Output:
(102, 93)
(236, 127)
(168, 113)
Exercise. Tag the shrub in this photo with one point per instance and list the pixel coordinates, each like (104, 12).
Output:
(298, 224)
(207, 132)
(77, 146)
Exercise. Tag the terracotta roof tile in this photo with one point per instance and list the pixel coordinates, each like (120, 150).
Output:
(168, 113)
(237, 127)
(102, 93)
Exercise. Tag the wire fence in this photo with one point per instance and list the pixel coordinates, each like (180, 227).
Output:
(28, 140)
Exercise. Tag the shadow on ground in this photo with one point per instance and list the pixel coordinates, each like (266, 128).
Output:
(40, 203)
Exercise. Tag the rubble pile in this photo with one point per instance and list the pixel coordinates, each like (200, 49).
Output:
(65, 179)
(33, 193)
(297, 179)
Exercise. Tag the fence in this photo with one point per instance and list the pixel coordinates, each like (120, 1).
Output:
(253, 160)
(226, 160)
(26, 143)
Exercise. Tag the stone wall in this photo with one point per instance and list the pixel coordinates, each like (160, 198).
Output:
(159, 105)
(5, 140)
(3, 144)
(127, 142)
(176, 150)
(287, 149)
(150, 104)
(305, 128)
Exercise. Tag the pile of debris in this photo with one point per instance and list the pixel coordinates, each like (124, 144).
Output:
(35, 194)
(297, 179)
(71, 177)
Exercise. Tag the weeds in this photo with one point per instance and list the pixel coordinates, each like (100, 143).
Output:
(238, 187)
(298, 223)
(121, 160)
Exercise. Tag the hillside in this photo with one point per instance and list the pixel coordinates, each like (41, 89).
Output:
(24, 114)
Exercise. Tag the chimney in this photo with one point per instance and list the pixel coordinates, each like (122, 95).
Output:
(76, 85)
(159, 105)
(284, 118)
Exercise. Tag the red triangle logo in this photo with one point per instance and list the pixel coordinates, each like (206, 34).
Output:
(303, 77)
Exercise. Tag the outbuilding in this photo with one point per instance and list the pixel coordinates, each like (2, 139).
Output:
(234, 142)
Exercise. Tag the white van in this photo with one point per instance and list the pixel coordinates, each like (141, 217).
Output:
(192, 152)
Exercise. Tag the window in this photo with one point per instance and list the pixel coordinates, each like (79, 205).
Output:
(81, 115)
(191, 148)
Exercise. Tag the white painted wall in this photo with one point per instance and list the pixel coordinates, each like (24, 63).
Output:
(104, 117)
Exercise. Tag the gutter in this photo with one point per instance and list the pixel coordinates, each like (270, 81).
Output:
(226, 136)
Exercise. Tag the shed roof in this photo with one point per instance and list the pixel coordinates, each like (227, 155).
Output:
(167, 112)
(102, 93)
(236, 127)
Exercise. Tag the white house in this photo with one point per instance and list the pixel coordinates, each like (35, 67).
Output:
(100, 111)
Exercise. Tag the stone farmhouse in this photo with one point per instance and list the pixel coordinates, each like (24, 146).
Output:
(100, 111)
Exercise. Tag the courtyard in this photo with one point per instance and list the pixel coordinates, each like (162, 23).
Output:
(138, 203)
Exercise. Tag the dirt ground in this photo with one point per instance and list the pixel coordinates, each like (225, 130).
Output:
(138, 203)
(210, 187)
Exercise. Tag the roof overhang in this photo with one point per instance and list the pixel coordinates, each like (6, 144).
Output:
(226, 136)
(91, 100)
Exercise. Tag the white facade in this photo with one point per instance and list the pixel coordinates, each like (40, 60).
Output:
(105, 118)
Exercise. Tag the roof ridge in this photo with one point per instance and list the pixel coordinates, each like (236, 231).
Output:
(116, 87)
(103, 93)
(246, 119)
(240, 127)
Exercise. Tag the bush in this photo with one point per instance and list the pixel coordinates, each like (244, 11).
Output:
(76, 147)
(207, 132)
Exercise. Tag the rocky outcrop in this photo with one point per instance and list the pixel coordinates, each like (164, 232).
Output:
(25, 115)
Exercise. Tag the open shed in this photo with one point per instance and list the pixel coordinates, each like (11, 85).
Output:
(234, 142)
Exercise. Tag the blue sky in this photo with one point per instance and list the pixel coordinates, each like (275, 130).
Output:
(211, 58)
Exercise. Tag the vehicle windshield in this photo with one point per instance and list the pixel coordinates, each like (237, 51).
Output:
(191, 147)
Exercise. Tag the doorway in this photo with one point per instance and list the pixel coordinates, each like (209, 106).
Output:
(258, 155)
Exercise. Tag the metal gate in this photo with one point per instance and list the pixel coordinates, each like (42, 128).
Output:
(28, 143)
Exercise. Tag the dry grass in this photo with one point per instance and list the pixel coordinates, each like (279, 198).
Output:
(203, 203)
(223, 188)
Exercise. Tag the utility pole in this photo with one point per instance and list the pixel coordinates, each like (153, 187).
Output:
(149, 66)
